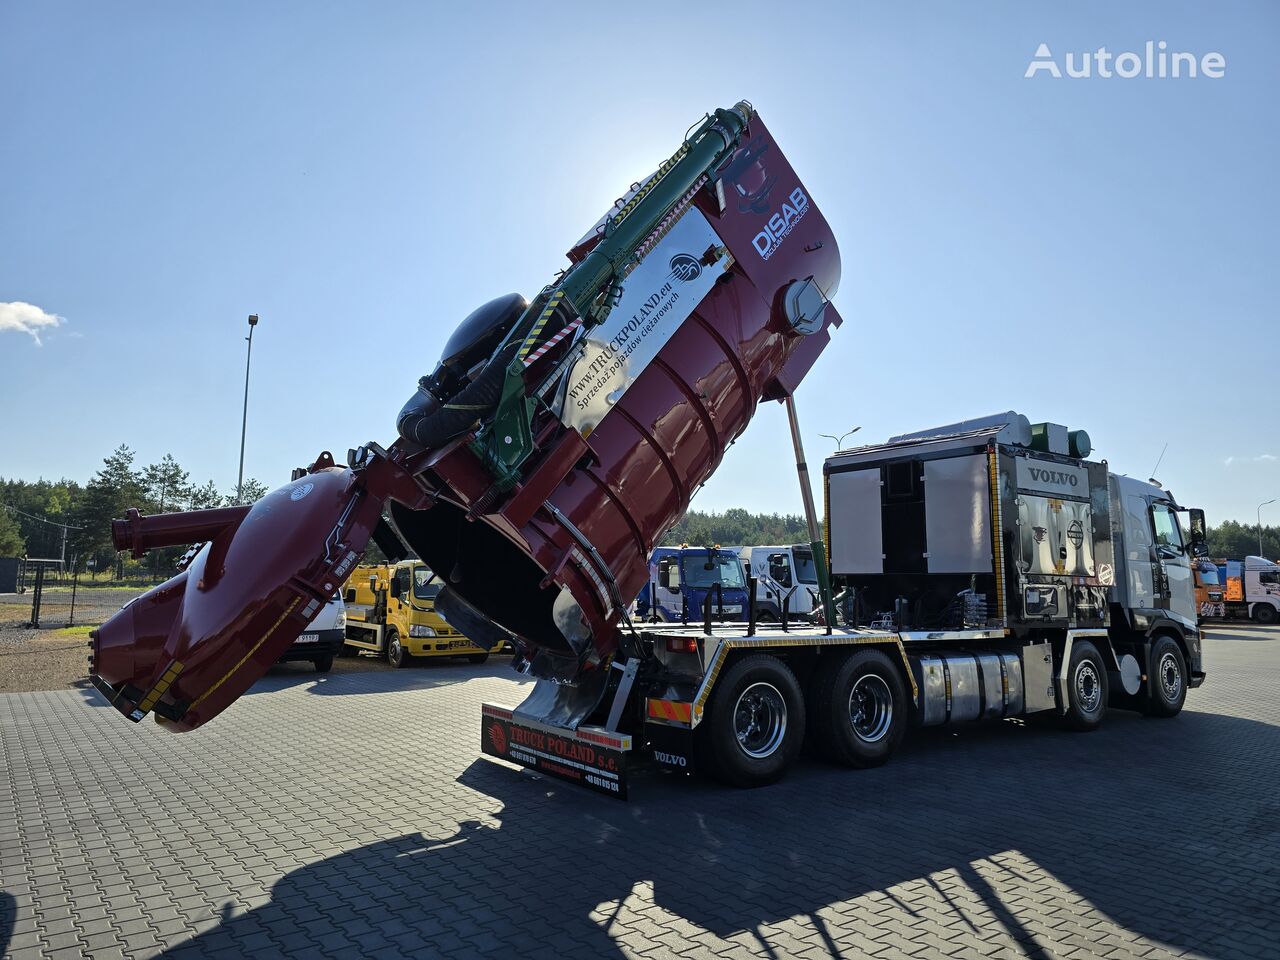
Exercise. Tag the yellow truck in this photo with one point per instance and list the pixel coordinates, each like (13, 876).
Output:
(391, 611)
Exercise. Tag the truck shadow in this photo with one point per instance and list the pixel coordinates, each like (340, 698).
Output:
(349, 680)
(1168, 829)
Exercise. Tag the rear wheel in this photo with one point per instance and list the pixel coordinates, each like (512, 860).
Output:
(1086, 688)
(859, 711)
(1167, 686)
(1265, 613)
(324, 664)
(397, 656)
(754, 726)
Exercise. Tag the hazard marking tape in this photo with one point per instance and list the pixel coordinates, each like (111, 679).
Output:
(542, 350)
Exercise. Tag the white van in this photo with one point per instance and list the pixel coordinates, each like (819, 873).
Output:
(322, 640)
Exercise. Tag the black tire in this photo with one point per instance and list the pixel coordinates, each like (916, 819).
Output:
(754, 726)
(323, 664)
(1166, 689)
(477, 657)
(1087, 688)
(858, 709)
(1264, 614)
(397, 656)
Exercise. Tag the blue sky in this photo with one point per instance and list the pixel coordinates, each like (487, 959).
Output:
(1100, 253)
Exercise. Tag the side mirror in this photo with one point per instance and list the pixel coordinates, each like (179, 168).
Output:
(1200, 531)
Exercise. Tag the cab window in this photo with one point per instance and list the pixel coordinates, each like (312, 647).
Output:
(1168, 534)
(426, 585)
(779, 569)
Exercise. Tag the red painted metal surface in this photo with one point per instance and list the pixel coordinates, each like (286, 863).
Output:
(660, 442)
(553, 561)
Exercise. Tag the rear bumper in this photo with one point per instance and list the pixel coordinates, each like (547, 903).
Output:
(588, 756)
(327, 643)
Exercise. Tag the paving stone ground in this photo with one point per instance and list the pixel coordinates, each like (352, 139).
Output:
(351, 815)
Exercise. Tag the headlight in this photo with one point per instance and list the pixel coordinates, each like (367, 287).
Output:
(417, 630)
(341, 622)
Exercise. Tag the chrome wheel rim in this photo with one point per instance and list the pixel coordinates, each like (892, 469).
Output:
(1088, 687)
(760, 720)
(870, 708)
(394, 649)
(1170, 676)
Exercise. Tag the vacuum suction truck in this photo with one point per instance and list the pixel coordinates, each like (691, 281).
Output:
(536, 467)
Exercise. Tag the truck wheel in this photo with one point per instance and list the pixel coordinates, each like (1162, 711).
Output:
(396, 655)
(754, 724)
(1264, 613)
(860, 710)
(477, 657)
(1167, 689)
(1086, 688)
(323, 664)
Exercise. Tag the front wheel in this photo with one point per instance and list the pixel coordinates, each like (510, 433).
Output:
(754, 726)
(1265, 614)
(860, 710)
(397, 656)
(477, 657)
(1086, 688)
(324, 664)
(1167, 687)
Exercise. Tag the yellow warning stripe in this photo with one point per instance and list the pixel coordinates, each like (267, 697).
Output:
(158, 690)
(997, 531)
(552, 306)
(241, 662)
(670, 710)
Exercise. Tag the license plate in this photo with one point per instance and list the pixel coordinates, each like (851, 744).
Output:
(733, 608)
(455, 644)
(308, 638)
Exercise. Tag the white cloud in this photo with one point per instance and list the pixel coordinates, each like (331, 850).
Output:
(1260, 458)
(27, 318)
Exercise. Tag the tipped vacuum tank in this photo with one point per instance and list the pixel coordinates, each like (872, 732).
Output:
(539, 462)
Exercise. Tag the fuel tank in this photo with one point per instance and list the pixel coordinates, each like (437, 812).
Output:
(554, 444)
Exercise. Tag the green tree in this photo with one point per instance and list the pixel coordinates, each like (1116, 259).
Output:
(166, 484)
(251, 492)
(113, 489)
(204, 497)
(12, 543)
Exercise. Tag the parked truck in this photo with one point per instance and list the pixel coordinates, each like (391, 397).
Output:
(786, 579)
(993, 570)
(1251, 589)
(391, 611)
(1207, 579)
(686, 579)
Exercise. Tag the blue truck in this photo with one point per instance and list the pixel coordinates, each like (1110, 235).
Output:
(683, 577)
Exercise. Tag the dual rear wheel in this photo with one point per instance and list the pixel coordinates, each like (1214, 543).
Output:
(757, 717)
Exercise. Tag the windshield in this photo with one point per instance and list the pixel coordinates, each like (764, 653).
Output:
(726, 570)
(1209, 575)
(425, 583)
(806, 572)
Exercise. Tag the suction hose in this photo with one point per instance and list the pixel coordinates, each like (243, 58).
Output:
(427, 421)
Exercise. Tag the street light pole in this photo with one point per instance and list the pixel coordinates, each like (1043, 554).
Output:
(244, 419)
(1260, 506)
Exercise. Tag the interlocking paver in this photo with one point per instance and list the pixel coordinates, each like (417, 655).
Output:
(350, 815)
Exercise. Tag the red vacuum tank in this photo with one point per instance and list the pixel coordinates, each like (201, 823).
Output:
(553, 446)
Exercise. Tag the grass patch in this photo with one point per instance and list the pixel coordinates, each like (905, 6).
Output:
(79, 630)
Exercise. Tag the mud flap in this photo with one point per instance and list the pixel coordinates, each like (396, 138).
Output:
(671, 746)
(589, 757)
